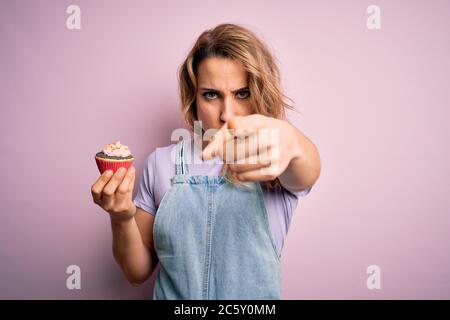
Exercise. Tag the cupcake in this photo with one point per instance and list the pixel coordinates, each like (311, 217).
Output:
(113, 156)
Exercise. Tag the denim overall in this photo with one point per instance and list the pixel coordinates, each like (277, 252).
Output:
(213, 240)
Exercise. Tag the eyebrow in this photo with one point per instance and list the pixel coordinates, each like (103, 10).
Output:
(215, 90)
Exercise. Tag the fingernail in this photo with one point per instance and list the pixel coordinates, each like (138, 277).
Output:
(121, 170)
(108, 173)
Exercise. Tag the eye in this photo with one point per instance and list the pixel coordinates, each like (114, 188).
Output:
(209, 95)
(243, 94)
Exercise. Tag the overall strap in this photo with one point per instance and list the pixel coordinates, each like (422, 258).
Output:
(181, 166)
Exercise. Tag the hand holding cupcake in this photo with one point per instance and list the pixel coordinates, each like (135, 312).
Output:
(113, 190)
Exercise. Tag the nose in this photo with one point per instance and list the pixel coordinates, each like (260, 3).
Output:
(227, 110)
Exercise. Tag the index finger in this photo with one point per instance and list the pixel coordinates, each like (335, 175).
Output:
(237, 127)
(216, 143)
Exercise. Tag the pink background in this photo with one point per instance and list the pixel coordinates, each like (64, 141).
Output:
(376, 104)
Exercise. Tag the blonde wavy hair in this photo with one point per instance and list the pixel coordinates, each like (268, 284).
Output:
(238, 43)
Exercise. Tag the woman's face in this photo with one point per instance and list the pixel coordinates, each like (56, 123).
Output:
(222, 92)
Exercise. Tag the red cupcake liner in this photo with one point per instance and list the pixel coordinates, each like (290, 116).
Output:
(114, 165)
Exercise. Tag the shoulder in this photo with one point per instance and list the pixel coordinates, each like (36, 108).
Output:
(158, 165)
(157, 171)
(160, 155)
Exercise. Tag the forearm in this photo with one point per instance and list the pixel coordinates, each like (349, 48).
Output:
(130, 251)
(304, 169)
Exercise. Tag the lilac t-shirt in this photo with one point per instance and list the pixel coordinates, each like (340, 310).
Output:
(159, 167)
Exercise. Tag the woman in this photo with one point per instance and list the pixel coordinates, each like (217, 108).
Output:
(213, 238)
